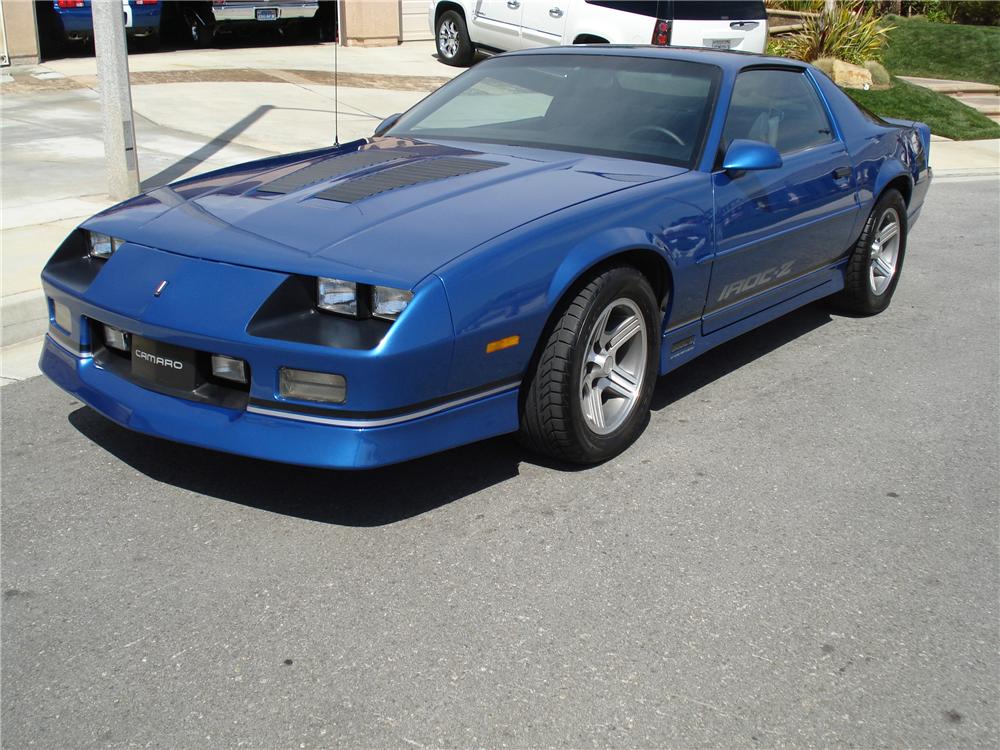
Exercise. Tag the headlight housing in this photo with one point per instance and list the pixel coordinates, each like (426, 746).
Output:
(361, 300)
(102, 246)
(388, 303)
(337, 295)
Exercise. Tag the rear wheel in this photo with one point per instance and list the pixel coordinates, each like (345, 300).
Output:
(588, 398)
(453, 44)
(877, 259)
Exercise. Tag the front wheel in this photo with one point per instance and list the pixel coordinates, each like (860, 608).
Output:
(452, 37)
(588, 398)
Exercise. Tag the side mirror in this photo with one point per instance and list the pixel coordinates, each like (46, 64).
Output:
(745, 156)
(387, 123)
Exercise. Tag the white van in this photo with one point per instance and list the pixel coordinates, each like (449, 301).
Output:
(463, 27)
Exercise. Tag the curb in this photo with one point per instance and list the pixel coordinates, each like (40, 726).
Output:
(24, 316)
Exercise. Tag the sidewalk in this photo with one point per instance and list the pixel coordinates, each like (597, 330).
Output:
(202, 110)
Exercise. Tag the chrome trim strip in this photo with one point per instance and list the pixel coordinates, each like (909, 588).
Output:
(385, 422)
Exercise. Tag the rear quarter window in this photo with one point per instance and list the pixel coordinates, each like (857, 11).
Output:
(650, 8)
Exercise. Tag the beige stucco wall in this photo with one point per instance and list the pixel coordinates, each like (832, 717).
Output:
(21, 30)
(369, 23)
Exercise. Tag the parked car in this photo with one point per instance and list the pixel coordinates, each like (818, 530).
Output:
(203, 20)
(463, 27)
(525, 250)
(71, 20)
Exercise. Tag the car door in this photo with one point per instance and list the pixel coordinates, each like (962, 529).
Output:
(543, 22)
(498, 24)
(776, 228)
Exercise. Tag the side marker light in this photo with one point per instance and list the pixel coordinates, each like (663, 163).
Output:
(507, 343)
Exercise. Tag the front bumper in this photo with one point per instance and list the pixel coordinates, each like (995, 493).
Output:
(287, 439)
(398, 403)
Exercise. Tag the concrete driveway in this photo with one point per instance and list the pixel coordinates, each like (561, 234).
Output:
(801, 550)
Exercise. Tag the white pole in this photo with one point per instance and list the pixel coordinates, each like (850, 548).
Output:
(116, 99)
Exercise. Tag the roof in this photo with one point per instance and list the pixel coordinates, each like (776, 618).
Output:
(731, 60)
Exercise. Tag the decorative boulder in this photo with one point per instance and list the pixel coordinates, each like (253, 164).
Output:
(851, 76)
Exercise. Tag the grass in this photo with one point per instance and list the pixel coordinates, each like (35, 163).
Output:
(918, 47)
(945, 115)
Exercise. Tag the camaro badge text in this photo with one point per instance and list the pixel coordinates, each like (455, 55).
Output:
(160, 288)
(161, 361)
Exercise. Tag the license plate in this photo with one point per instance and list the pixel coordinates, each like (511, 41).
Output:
(720, 43)
(163, 364)
(267, 14)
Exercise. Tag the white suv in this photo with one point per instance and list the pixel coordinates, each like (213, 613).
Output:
(463, 27)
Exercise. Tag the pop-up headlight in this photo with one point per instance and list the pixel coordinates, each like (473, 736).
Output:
(102, 246)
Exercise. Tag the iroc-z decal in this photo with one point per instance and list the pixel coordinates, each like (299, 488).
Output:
(758, 279)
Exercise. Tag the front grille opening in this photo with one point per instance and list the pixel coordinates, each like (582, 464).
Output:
(207, 388)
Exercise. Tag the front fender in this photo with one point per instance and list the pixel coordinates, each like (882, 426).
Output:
(511, 285)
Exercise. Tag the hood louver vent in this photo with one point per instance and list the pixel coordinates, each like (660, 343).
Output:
(329, 169)
(405, 175)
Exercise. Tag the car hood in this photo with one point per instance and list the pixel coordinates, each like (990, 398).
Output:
(315, 213)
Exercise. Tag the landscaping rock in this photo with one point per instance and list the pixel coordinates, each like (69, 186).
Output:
(851, 76)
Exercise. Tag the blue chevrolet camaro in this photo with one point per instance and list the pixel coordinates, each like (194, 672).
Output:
(526, 250)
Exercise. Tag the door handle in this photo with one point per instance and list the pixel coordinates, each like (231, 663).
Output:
(841, 173)
(556, 12)
(513, 4)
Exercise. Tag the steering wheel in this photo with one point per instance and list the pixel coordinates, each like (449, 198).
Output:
(656, 129)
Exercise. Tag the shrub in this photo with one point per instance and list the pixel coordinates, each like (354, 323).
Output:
(851, 36)
(977, 12)
(880, 76)
(935, 11)
(777, 46)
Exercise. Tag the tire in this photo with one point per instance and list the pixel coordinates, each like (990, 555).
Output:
(561, 400)
(452, 39)
(877, 259)
(200, 25)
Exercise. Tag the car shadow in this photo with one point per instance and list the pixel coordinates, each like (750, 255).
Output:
(395, 493)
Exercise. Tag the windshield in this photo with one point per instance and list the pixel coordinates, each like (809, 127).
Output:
(643, 108)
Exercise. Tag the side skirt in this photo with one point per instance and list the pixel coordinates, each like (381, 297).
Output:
(681, 345)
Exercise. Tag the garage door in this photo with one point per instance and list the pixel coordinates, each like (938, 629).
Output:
(414, 24)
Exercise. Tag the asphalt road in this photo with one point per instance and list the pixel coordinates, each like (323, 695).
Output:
(800, 551)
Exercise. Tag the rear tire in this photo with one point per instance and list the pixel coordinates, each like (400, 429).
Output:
(877, 259)
(452, 39)
(588, 397)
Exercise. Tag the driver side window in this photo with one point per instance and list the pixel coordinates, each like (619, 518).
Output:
(780, 107)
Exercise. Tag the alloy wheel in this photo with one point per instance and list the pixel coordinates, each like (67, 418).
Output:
(614, 366)
(448, 38)
(884, 252)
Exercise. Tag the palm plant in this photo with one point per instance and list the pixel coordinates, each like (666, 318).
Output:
(854, 36)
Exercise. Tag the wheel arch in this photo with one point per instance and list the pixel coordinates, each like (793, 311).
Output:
(589, 39)
(443, 7)
(632, 247)
(894, 176)
(582, 265)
